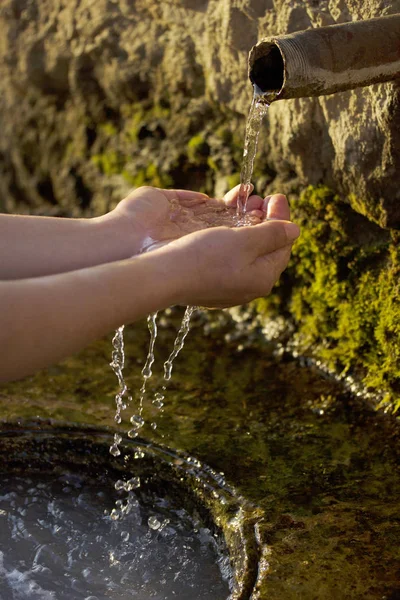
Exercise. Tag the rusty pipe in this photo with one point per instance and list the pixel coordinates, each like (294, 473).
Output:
(326, 60)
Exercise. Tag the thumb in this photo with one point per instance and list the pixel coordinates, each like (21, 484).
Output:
(270, 236)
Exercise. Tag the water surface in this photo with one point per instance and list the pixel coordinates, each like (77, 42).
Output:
(56, 542)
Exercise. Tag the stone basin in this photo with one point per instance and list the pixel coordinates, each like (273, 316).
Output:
(43, 448)
(314, 467)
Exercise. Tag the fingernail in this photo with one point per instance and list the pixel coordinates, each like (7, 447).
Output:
(265, 203)
(292, 231)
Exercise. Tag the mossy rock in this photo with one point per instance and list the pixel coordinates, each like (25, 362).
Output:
(341, 291)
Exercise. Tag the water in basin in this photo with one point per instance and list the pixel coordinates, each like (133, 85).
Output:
(58, 542)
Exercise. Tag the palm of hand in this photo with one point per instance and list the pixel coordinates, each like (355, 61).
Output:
(160, 216)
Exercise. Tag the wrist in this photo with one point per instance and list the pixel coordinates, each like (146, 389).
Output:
(166, 269)
(114, 237)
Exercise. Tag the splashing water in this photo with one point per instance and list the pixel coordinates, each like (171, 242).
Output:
(117, 364)
(159, 397)
(179, 341)
(137, 420)
(56, 543)
(258, 110)
(123, 508)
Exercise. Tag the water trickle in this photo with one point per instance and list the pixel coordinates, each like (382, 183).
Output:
(117, 364)
(137, 420)
(258, 110)
(179, 341)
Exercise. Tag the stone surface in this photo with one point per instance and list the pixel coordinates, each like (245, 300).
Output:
(72, 75)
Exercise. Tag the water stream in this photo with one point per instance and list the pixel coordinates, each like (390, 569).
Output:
(258, 110)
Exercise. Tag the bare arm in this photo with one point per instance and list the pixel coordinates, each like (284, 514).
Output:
(44, 319)
(32, 246)
(35, 246)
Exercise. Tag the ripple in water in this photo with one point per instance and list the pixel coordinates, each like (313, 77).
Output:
(56, 543)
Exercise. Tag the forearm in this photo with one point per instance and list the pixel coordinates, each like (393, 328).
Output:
(48, 318)
(36, 246)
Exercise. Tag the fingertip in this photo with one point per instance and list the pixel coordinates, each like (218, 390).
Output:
(292, 231)
(277, 207)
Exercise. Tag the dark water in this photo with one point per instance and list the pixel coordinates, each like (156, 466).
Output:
(56, 543)
(322, 466)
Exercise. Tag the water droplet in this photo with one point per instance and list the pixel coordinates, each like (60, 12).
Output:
(119, 485)
(114, 450)
(137, 421)
(132, 483)
(153, 425)
(132, 434)
(158, 400)
(114, 514)
(139, 454)
(154, 523)
(125, 536)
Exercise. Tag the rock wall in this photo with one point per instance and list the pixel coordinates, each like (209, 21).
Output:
(97, 96)
(73, 74)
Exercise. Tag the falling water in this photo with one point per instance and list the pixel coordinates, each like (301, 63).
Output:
(258, 110)
(137, 420)
(159, 397)
(179, 341)
(117, 364)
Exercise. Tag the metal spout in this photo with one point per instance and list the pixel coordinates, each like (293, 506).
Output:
(327, 60)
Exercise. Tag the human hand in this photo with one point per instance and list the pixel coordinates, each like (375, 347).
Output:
(152, 217)
(223, 266)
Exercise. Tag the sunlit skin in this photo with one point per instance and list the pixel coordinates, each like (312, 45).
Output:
(66, 282)
(164, 215)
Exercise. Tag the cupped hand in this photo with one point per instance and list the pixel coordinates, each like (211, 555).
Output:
(156, 216)
(224, 267)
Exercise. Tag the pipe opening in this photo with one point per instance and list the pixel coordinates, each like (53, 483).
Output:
(267, 72)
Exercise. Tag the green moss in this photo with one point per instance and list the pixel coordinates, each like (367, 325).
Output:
(108, 129)
(198, 150)
(370, 210)
(151, 175)
(109, 163)
(342, 294)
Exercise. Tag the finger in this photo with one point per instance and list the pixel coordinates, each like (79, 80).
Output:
(255, 203)
(270, 236)
(273, 265)
(230, 197)
(277, 207)
(256, 213)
